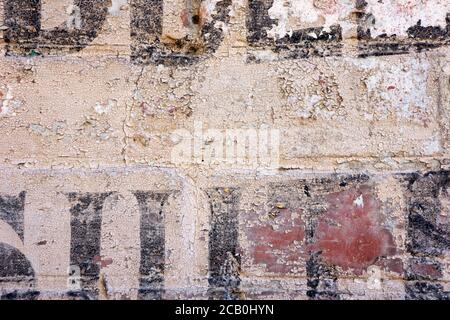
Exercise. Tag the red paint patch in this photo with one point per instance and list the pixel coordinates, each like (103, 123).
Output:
(392, 265)
(277, 243)
(406, 6)
(171, 109)
(145, 108)
(185, 18)
(391, 87)
(426, 270)
(351, 234)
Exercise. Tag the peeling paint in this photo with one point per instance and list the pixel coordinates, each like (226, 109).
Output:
(96, 96)
(105, 108)
(293, 15)
(394, 17)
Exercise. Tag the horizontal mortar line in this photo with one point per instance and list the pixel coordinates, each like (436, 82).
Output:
(346, 277)
(59, 276)
(248, 287)
(292, 46)
(50, 46)
(170, 169)
(438, 156)
(243, 276)
(70, 57)
(119, 289)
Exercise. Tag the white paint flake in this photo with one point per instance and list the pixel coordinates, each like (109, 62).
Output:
(396, 16)
(359, 202)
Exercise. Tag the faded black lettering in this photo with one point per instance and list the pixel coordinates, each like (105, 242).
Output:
(85, 225)
(24, 35)
(152, 235)
(148, 46)
(224, 260)
(428, 238)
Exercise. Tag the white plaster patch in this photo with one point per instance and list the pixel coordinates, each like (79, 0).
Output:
(396, 16)
(359, 202)
(292, 15)
(55, 13)
(116, 6)
(38, 129)
(374, 280)
(402, 88)
(432, 146)
(105, 108)
(74, 21)
(311, 102)
(7, 102)
(209, 6)
(265, 55)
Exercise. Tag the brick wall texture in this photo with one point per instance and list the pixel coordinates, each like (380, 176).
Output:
(224, 149)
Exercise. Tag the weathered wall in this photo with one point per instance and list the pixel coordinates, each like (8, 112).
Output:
(124, 173)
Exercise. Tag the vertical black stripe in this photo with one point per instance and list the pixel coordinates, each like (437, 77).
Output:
(12, 211)
(24, 33)
(15, 268)
(152, 235)
(224, 260)
(427, 239)
(85, 224)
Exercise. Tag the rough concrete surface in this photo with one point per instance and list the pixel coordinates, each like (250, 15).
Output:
(225, 149)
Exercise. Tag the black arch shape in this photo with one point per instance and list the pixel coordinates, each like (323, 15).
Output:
(16, 268)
